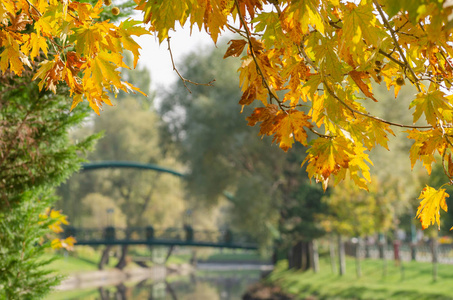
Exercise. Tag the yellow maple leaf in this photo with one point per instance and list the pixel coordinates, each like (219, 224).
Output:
(432, 201)
(290, 128)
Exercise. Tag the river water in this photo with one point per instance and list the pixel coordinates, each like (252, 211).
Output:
(208, 282)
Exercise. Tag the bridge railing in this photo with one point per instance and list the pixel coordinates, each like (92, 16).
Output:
(151, 235)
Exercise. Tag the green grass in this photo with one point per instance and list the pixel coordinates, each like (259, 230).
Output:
(88, 294)
(412, 281)
(178, 259)
(81, 260)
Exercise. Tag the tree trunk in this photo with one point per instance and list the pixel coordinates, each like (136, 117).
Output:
(367, 247)
(434, 251)
(104, 257)
(122, 262)
(341, 256)
(193, 259)
(121, 292)
(290, 256)
(314, 256)
(298, 256)
(332, 254)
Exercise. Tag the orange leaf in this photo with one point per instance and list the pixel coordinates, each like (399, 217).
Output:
(235, 49)
(290, 127)
(450, 165)
(357, 77)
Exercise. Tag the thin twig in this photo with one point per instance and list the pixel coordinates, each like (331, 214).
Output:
(31, 5)
(307, 58)
(320, 134)
(397, 45)
(354, 111)
(389, 56)
(252, 51)
(242, 32)
(443, 159)
(184, 80)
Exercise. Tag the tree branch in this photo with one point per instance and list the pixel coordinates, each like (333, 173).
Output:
(252, 51)
(397, 45)
(354, 111)
(184, 80)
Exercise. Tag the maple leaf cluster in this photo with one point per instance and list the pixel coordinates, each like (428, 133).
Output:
(70, 44)
(310, 63)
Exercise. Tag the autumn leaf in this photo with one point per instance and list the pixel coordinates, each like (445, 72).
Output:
(305, 53)
(290, 128)
(235, 49)
(359, 22)
(326, 157)
(430, 104)
(432, 201)
(365, 88)
(450, 165)
(426, 144)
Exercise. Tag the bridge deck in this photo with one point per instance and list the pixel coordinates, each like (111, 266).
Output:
(163, 237)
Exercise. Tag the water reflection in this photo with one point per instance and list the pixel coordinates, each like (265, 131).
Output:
(202, 286)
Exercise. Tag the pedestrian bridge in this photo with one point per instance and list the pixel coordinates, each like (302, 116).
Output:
(151, 236)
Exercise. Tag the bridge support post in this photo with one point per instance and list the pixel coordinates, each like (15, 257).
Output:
(149, 233)
(189, 233)
(109, 233)
(104, 257)
(228, 237)
(69, 231)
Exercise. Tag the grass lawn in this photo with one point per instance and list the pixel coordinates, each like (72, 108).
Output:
(82, 260)
(413, 280)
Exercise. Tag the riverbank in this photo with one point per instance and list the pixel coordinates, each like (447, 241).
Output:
(84, 281)
(95, 279)
(379, 280)
(261, 291)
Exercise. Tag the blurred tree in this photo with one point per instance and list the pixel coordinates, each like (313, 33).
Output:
(263, 185)
(137, 197)
(353, 212)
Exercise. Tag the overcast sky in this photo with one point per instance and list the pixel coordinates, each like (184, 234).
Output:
(156, 58)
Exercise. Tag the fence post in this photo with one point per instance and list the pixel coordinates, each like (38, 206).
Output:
(341, 255)
(413, 242)
(382, 246)
(357, 258)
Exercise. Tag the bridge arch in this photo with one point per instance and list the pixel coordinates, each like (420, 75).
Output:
(128, 165)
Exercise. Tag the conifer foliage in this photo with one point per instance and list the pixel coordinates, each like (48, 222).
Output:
(35, 157)
(311, 64)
